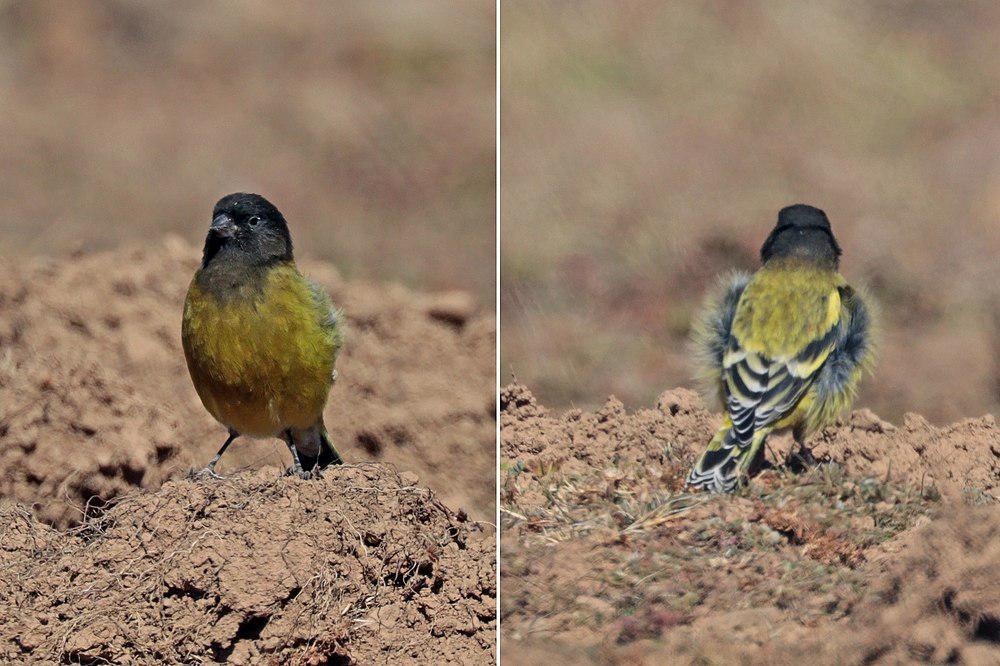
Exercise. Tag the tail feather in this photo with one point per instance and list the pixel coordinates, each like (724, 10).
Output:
(322, 456)
(724, 465)
(328, 455)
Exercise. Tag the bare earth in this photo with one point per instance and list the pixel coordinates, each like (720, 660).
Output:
(886, 552)
(110, 555)
(360, 567)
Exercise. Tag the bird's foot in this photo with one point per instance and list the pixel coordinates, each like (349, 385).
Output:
(801, 460)
(203, 473)
(302, 473)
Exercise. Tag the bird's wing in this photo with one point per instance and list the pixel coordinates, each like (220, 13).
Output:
(330, 316)
(761, 390)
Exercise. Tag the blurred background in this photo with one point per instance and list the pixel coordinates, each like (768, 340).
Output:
(370, 125)
(647, 147)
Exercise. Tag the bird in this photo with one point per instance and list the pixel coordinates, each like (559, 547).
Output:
(782, 349)
(260, 340)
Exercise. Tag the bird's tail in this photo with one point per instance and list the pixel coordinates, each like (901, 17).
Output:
(725, 463)
(327, 453)
(320, 456)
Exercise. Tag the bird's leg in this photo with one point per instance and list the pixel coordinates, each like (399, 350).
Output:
(803, 456)
(210, 468)
(296, 463)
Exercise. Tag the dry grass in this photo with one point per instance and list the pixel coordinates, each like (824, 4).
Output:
(638, 560)
(630, 500)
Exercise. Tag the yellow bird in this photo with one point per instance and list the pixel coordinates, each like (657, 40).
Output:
(783, 349)
(261, 340)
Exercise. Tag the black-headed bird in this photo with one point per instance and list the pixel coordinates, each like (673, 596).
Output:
(783, 349)
(261, 340)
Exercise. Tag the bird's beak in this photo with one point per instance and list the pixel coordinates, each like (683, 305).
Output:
(223, 226)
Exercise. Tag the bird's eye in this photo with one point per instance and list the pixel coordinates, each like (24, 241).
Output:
(253, 221)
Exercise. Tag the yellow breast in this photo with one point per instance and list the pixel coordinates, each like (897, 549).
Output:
(260, 359)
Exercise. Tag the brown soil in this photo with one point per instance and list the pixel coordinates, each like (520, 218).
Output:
(939, 603)
(95, 397)
(886, 553)
(384, 560)
(362, 566)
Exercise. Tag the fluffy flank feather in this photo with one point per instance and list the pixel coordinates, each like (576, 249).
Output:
(852, 358)
(710, 333)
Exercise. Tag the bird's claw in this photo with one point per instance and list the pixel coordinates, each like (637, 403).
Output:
(302, 474)
(802, 460)
(203, 473)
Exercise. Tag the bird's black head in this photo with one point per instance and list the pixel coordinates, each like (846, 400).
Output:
(247, 228)
(802, 233)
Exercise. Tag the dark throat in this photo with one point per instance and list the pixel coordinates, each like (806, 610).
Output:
(230, 273)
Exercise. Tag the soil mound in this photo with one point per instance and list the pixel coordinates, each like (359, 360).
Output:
(606, 551)
(361, 566)
(960, 459)
(95, 398)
